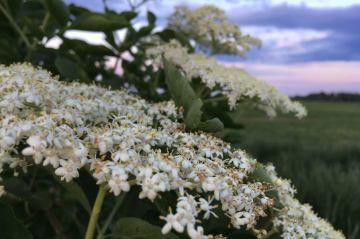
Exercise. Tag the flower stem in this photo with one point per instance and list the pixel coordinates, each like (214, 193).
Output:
(268, 234)
(33, 46)
(112, 214)
(214, 99)
(96, 211)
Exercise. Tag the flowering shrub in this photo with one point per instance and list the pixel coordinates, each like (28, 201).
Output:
(208, 27)
(160, 158)
(236, 82)
(73, 126)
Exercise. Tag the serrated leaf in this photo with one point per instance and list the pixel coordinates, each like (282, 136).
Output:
(41, 200)
(31, 9)
(9, 51)
(59, 10)
(217, 112)
(179, 87)
(17, 187)
(193, 122)
(16, 191)
(33, 27)
(144, 31)
(233, 136)
(66, 67)
(260, 175)
(15, 6)
(84, 48)
(99, 22)
(128, 15)
(130, 227)
(168, 34)
(74, 189)
(10, 226)
(184, 41)
(83, 76)
(11, 198)
(111, 39)
(76, 10)
(151, 18)
(116, 82)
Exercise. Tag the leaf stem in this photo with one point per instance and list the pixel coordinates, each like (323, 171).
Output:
(268, 234)
(201, 90)
(96, 211)
(36, 40)
(17, 28)
(112, 214)
(33, 177)
(214, 99)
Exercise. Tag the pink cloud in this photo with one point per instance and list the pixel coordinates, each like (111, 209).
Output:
(305, 78)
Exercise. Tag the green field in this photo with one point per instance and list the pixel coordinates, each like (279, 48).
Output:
(320, 154)
(331, 124)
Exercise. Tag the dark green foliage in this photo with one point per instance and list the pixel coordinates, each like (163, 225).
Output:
(260, 175)
(59, 10)
(130, 227)
(184, 96)
(10, 226)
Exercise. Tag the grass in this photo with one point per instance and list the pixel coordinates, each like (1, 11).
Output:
(320, 154)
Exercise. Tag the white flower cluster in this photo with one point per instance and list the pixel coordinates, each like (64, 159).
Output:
(299, 221)
(236, 82)
(208, 26)
(72, 125)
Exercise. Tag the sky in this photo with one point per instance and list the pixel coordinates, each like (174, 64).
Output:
(307, 46)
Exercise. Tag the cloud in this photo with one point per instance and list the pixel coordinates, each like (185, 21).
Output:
(305, 78)
(343, 20)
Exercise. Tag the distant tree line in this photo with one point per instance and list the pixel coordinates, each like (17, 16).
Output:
(338, 97)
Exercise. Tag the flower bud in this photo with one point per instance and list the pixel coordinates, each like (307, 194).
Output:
(278, 182)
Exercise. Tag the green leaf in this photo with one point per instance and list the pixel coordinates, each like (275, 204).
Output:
(15, 6)
(136, 228)
(73, 188)
(111, 39)
(31, 9)
(128, 15)
(11, 198)
(76, 10)
(41, 200)
(16, 191)
(193, 122)
(8, 50)
(144, 31)
(233, 136)
(66, 67)
(260, 175)
(184, 40)
(116, 82)
(10, 226)
(151, 18)
(99, 22)
(222, 115)
(83, 76)
(59, 10)
(33, 27)
(168, 34)
(84, 48)
(17, 187)
(179, 87)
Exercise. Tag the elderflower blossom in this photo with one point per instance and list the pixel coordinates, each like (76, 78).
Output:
(208, 26)
(237, 83)
(114, 138)
(299, 221)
